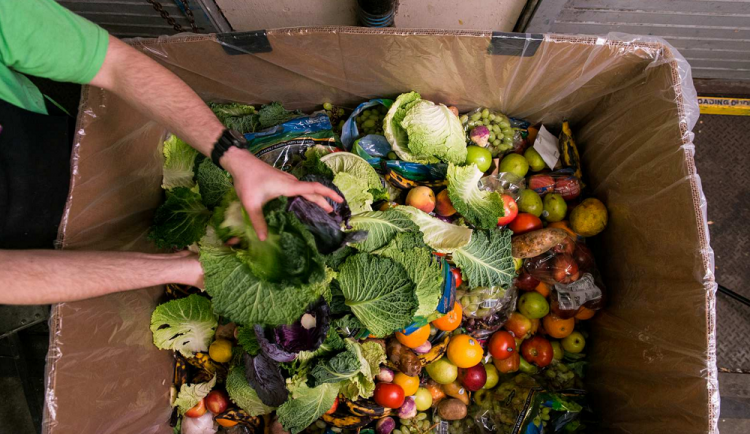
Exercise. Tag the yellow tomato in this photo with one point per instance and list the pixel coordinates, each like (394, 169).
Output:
(409, 384)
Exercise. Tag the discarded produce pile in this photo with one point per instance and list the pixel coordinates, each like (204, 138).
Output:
(449, 293)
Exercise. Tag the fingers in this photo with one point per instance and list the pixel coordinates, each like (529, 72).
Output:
(319, 200)
(259, 223)
(303, 188)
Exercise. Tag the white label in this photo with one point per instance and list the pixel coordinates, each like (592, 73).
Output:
(546, 145)
(576, 294)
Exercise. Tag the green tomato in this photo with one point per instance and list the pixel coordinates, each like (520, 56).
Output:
(557, 350)
(514, 163)
(533, 305)
(423, 399)
(492, 376)
(479, 156)
(574, 342)
(530, 202)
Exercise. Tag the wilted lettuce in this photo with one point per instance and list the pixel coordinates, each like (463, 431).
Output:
(186, 325)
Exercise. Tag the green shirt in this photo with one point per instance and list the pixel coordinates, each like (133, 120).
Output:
(42, 38)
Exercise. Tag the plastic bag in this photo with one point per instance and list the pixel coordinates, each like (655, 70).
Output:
(503, 134)
(482, 327)
(563, 182)
(521, 405)
(367, 118)
(284, 145)
(503, 183)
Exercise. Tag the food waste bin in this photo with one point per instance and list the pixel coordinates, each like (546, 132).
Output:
(630, 100)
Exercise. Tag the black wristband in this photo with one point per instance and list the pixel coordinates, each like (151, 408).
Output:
(227, 139)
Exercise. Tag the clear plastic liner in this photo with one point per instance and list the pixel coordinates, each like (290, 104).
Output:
(630, 100)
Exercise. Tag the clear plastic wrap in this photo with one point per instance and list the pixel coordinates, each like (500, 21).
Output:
(630, 100)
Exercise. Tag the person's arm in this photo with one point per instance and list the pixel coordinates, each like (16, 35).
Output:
(162, 96)
(50, 276)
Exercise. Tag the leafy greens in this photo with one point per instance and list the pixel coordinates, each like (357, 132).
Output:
(186, 325)
(479, 207)
(487, 259)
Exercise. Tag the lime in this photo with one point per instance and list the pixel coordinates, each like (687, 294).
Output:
(554, 207)
(515, 164)
(536, 163)
(530, 202)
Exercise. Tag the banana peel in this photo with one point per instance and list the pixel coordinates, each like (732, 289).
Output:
(437, 351)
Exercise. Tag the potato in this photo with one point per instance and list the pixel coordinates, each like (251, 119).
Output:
(537, 242)
(452, 409)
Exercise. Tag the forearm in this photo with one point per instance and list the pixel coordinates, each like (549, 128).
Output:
(159, 94)
(49, 276)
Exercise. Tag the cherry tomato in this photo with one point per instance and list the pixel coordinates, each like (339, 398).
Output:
(197, 411)
(508, 365)
(502, 345)
(510, 209)
(538, 351)
(457, 276)
(334, 406)
(389, 395)
(525, 222)
(217, 401)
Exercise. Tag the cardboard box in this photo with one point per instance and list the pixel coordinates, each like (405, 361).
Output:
(631, 105)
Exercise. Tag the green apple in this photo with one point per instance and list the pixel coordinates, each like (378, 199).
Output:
(479, 156)
(423, 399)
(574, 342)
(536, 162)
(515, 164)
(530, 202)
(555, 207)
(442, 371)
(492, 376)
(533, 305)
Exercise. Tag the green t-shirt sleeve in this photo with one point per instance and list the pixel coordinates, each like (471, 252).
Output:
(42, 38)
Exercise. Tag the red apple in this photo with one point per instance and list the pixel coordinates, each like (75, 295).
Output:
(566, 246)
(565, 269)
(473, 378)
(526, 282)
(568, 188)
(583, 257)
(217, 401)
(542, 184)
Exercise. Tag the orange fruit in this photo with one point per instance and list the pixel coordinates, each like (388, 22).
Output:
(543, 289)
(557, 327)
(451, 320)
(409, 384)
(564, 225)
(416, 338)
(464, 351)
(585, 313)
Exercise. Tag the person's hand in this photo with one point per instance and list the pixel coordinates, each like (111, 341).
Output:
(257, 183)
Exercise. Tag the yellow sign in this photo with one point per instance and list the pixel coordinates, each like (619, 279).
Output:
(724, 106)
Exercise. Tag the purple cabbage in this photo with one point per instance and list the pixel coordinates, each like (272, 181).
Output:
(283, 343)
(264, 375)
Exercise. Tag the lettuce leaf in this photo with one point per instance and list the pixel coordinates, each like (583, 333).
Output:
(424, 270)
(356, 179)
(190, 394)
(381, 227)
(245, 299)
(439, 235)
(181, 220)
(396, 134)
(186, 325)
(434, 132)
(214, 183)
(362, 385)
(341, 367)
(479, 207)
(306, 406)
(243, 395)
(487, 259)
(179, 162)
(379, 292)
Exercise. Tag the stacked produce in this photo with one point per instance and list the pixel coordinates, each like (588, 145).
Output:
(448, 293)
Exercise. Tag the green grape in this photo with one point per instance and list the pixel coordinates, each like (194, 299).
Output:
(504, 124)
(464, 119)
(499, 136)
(370, 123)
(396, 431)
(537, 421)
(340, 112)
(485, 113)
(327, 106)
(476, 116)
(365, 113)
(508, 140)
(492, 116)
(496, 142)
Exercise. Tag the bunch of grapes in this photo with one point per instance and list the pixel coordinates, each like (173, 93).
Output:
(420, 424)
(558, 376)
(370, 121)
(501, 132)
(336, 114)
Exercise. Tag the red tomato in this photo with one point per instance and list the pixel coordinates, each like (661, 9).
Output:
(508, 365)
(502, 345)
(217, 401)
(389, 395)
(457, 276)
(438, 254)
(197, 411)
(525, 222)
(334, 406)
(538, 351)
(510, 209)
